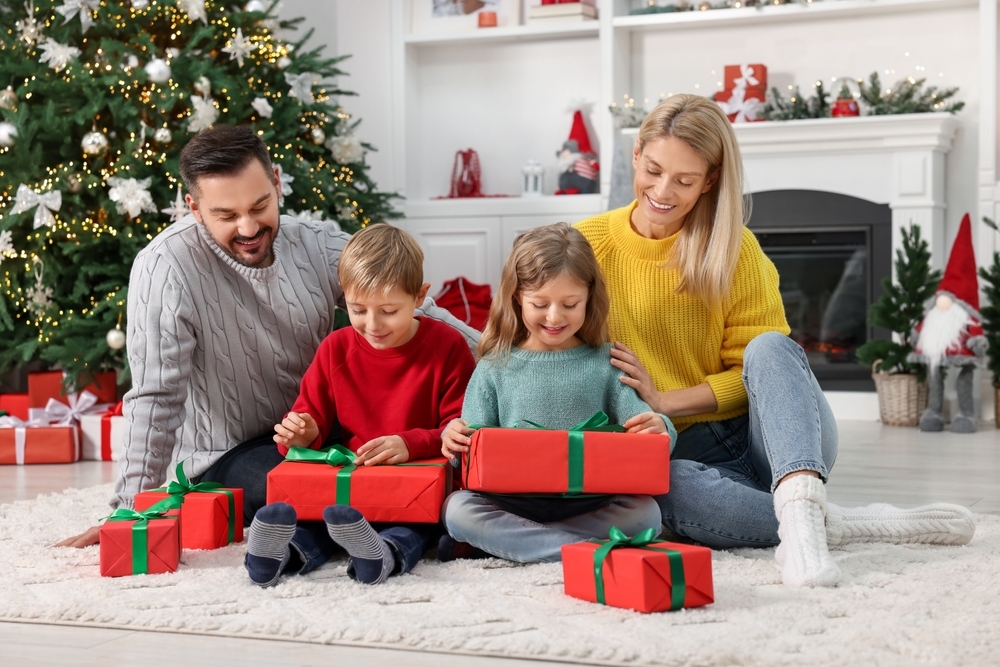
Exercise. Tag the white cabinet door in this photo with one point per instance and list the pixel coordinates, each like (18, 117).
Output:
(458, 247)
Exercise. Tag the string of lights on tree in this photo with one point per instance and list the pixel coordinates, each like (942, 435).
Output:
(97, 98)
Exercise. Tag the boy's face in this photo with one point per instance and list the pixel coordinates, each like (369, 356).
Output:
(385, 320)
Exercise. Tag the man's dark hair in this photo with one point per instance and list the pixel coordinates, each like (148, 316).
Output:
(222, 150)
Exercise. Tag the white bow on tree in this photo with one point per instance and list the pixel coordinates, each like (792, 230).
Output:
(47, 203)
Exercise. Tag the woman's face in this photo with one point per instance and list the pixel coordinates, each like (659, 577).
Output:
(670, 176)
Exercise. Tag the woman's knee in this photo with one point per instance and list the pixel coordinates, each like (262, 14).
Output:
(769, 345)
(643, 513)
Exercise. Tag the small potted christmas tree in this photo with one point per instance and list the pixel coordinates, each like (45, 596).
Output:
(902, 392)
(991, 320)
(845, 104)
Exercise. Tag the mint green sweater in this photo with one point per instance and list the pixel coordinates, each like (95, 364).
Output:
(554, 389)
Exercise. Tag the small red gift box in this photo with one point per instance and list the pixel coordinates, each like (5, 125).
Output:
(405, 493)
(211, 516)
(15, 405)
(658, 576)
(49, 384)
(744, 92)
(25, 445)
(518, 460)
(134, 542)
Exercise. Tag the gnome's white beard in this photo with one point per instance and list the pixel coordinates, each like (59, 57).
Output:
(942, 329)
(566, 161)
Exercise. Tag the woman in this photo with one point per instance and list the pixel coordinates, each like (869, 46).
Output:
(702, 337)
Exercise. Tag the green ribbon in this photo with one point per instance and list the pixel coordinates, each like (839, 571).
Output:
(182, 487)
(140, 534)
(618, 539)
(599, 421)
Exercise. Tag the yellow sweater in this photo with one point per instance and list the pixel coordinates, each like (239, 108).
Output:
(682, 342)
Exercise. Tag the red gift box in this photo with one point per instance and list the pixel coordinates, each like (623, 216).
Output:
(405, 493)
(211, 516)
(49, 384)
(140, 542)
(25, 445)
(517, 460)
(658, 576)
(744, 92)
(15, 405)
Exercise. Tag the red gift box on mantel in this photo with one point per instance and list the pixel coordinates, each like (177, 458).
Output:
(592, 457)
(141, 542)
(744, 92)
(49, 384)
(26, 443)
(311, 480)
(638, 573)
(103, 436)
(211, 516)
(15, 405)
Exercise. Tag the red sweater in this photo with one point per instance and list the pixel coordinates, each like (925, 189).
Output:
(412, 391)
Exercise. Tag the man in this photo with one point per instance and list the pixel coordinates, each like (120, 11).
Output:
(226, 309)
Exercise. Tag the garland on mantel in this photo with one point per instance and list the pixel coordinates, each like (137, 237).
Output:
(705, 5)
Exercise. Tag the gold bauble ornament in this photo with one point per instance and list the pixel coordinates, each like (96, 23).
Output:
(94, 143)
(162, 135)
(8, 99)
(73, 183)
(317, 136)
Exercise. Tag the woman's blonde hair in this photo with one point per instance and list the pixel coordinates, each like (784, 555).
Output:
(538, 257)
(708, 246)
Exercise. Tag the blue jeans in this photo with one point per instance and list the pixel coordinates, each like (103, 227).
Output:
(312, 546)
(722, 473)
(471, 518)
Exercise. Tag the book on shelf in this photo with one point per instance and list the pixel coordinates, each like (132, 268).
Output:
(565, 10)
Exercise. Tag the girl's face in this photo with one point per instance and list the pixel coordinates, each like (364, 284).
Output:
(670, 176)
(553, 314)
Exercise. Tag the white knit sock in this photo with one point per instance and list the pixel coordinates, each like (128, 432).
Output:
(939, 523)
(800, 505)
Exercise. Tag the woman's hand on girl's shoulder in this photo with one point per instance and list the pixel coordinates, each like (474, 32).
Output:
(455, 438)
(646, 422)
(636, 375)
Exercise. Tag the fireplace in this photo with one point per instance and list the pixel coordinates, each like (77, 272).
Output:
(832, 252)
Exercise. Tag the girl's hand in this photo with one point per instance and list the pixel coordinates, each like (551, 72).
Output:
(296, 430)
(646, 422)
(455, 438)
(388, 450)
(635, 376)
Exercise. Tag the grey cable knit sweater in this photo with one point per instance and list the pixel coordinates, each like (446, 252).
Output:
(218, 349)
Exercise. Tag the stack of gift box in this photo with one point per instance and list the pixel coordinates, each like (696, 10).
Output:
(744, 92)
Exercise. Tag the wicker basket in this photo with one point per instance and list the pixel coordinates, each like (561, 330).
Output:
(901, 398)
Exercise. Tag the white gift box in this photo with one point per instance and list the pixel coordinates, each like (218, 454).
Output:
(91, 427)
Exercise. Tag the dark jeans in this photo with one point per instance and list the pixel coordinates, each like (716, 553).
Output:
(408, 541)
(245, 467)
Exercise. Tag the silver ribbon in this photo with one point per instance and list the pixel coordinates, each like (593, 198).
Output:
(84, 403)
(26, 199)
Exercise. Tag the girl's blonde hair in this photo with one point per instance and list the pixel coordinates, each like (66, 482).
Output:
(538, 257)
(708, 245)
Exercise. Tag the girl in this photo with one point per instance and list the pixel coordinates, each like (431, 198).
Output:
(543, 357)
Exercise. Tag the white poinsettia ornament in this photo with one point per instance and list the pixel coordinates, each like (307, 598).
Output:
(346, 148)
(195, 9)
(203, 113)
(6, 245)
(131, 196)
(262, 107)
(85, 8)
(286, 184)
(57, 55)
(302, 86)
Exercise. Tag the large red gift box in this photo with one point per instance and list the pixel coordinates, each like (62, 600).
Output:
(642, 579)
(518, 460)
(49, 384)
(140, 545)
(406, 493)
(206, 522)
(744, 92)
(24, 445)
(15, 405)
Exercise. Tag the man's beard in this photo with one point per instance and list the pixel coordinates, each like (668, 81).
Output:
(942, 330)
(263, 253)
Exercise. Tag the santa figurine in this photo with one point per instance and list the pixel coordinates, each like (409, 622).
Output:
(951, 335)
(577, 165)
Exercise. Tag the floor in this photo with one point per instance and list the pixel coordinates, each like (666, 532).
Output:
(876, 463)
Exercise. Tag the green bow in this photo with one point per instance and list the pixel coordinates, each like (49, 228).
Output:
(140, 534)
(618, 539)
(182, 487)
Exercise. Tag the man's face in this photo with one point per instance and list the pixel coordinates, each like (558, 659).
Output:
(240, 211)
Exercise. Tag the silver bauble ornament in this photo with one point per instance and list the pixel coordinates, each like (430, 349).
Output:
(8, 99)
(7, 134)
(317, 136)
(162, 136)
(116, 339)
(158, 70)
(140, 5)
(73, 184)
(255, 6)
(283, 62)
(203, 86)
(94, 143)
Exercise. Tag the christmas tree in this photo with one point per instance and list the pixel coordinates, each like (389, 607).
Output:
(100, 98)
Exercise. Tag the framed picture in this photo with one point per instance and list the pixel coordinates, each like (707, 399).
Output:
(434, 16)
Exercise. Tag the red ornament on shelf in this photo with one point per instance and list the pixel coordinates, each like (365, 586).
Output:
(466, 176)
(845, 107)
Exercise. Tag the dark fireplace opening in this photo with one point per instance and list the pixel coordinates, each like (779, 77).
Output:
(831, 252)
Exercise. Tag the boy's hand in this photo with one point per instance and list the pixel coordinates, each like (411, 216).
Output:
(646, 422)
(296, 430)
(387, 450)
(455, 438)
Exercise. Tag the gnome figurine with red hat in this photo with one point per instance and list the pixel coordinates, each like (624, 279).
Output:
(951, 335)
(578, 164)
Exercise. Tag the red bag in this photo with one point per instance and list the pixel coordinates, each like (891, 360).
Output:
(467, 301)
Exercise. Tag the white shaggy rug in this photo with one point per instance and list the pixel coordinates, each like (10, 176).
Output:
(898, 605)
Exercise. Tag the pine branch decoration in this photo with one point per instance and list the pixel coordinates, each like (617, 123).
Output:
(906, 96)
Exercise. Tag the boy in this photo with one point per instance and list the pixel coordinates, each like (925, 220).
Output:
(389, 383)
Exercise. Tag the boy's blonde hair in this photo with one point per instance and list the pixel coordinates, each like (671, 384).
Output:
(380, 258)
(538, 257)
(709, 244)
